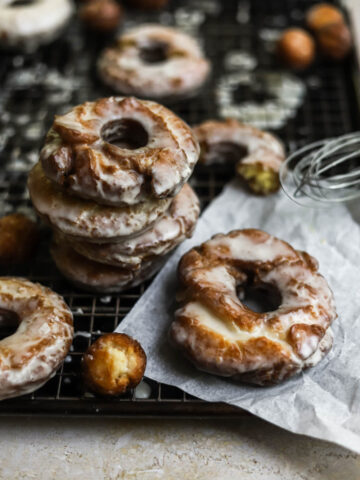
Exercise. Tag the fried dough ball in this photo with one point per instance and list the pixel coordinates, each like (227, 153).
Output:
(18, 238)
(101, 15)
(296, 48)
(114, 363)
(322, 15)
(335, 41)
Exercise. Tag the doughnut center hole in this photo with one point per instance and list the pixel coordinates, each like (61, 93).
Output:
(154, 52)
(260, 299)
(226, 152)
(9, 322)
(125, 133)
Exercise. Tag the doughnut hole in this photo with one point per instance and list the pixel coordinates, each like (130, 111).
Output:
(225, 152)
(260, 298)
(125, 133)
(19, 237)
(154, 52)
(9, 322)
(114, 363)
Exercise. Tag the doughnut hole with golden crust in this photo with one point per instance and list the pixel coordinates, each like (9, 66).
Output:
(322, 15)
(296, 48)
(334, 40)
(101, 15)
(257, 155)
(153, 61)
(114, 363)
(221, 335)
(19, 237)
(120, 151)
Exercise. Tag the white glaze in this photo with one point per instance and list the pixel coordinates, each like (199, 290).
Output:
(162, 165)
(29, 26)
(43, 316)
(123, 69)
(168, 232)
(306, 300)
(85, 219)
(243, 247)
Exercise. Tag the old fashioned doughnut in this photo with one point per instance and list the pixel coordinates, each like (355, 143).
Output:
(31, 356)
(30, 24)
(120, 151)
(221, 335)
(18, 238)
(85, 219)
(153, 61)
(94, 276)
(168, 232)
(114, 363)
(258, 155)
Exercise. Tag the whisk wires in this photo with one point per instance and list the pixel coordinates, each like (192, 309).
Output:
(324, 172)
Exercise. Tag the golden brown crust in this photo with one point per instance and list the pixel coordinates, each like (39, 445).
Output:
(19, 237)
(101, 15)
(296, 48)
(113, 364)
(322, 15)
(221, 335)
(335, 40)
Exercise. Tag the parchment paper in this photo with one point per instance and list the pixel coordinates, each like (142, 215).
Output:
(323, 402)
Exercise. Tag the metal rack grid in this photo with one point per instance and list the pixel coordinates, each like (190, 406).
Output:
(37, 86)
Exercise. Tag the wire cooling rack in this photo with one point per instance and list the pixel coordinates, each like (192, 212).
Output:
(238, 37)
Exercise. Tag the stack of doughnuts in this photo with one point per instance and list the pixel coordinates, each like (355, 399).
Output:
(111, 182)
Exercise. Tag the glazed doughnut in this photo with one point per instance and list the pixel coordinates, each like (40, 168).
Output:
(120, 151)
(31, 356)
(153, 61)
(85, 219)
(114, 363)
(94, 276)
(258, 155)
(221, 335)
(18, 238)
(168, 232)
(28, 26)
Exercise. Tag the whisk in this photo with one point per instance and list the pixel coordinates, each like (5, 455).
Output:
(324, 172)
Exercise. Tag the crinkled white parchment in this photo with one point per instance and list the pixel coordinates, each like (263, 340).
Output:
(323, 402)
